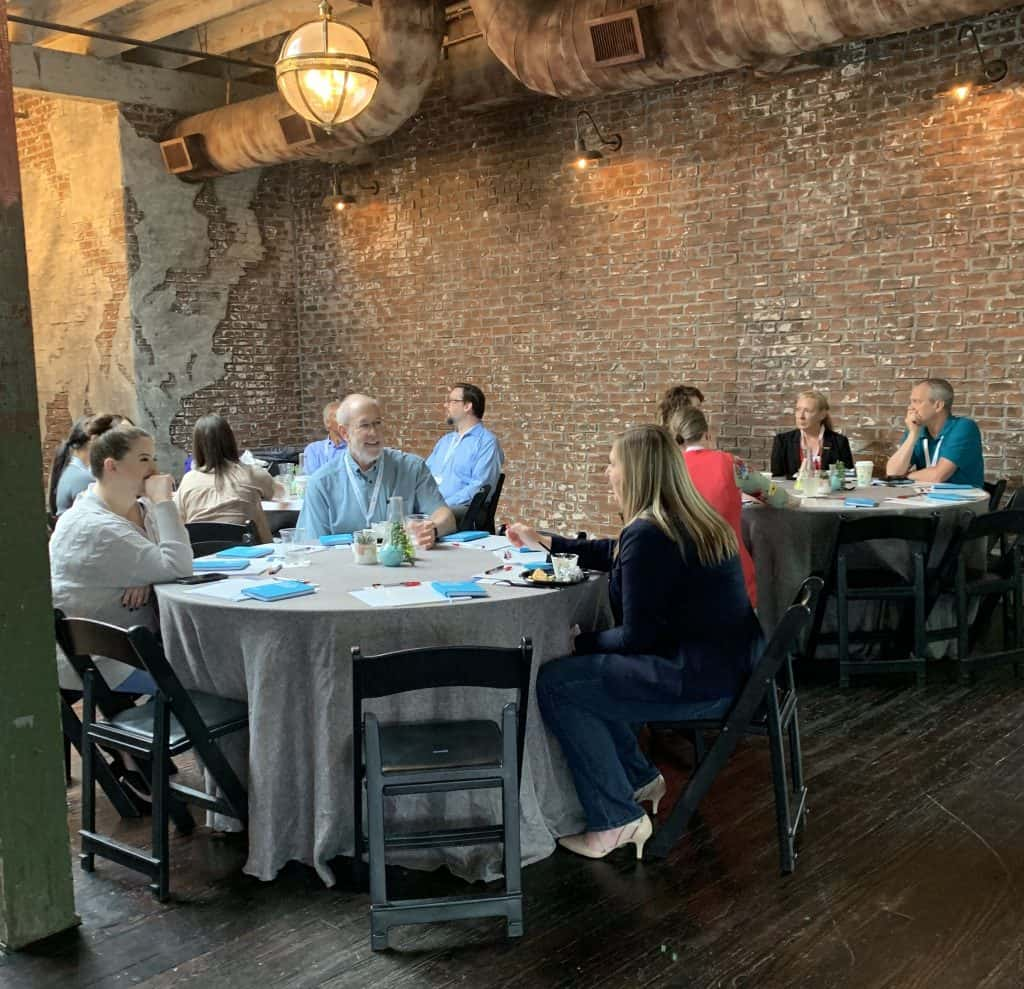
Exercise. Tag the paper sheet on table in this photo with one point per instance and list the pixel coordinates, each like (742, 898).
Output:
(392, 597)
(226, 590)
(518, 558)
(255, 566)
(491, 543)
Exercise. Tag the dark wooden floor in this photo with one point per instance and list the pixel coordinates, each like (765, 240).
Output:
(911, 875)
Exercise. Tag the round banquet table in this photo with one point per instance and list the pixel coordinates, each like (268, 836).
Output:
(789, 543)
(290, 660)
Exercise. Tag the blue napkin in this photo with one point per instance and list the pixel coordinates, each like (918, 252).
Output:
(948, 486)
(220, 566)
(245, 552)
(463, 537)
(860, 503)
(947, 496)
(458, 588)
(339, 539)
(278, 590)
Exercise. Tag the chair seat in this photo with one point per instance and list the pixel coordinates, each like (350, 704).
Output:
(439, 745)
(881, 578)
(219, 714)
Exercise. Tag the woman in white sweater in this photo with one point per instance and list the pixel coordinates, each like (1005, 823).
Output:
(121, 536)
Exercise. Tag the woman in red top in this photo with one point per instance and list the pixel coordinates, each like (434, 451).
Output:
(714, 475)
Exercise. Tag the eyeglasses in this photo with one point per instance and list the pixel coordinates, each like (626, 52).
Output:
(454, 401)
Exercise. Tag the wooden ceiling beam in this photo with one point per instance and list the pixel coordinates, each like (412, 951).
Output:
(85, 77)
(235, 31)
(156, 19)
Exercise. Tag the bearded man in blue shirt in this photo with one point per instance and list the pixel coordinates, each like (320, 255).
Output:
(938, 446)
(469, 456)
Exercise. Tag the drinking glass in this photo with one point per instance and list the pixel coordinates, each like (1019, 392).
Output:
(864, 468)
(414, 526)
(564, 565)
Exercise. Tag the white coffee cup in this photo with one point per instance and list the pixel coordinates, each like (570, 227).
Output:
(864, 469)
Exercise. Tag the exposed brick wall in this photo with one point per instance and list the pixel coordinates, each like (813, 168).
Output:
(851, 228)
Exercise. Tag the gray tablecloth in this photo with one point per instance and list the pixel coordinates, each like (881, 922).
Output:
(291, 661)
(788, 544)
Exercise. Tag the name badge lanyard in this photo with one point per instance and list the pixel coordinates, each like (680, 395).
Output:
(354, 484)
(929, 460)
(448, 457)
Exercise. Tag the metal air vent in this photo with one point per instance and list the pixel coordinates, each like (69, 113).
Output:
(619, 38)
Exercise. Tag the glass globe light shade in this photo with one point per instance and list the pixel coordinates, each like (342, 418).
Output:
(325, 72)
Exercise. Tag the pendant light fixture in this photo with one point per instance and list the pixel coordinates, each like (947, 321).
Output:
(325, 71)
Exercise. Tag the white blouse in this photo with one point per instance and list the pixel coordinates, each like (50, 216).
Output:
(96, 555)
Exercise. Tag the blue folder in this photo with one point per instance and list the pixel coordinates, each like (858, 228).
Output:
(458, 588)
(245, 552)
(278, 590)
(338, 539)
(218, 566)
(463, 537)
(860, 503)
(948, 486)
(947, 496)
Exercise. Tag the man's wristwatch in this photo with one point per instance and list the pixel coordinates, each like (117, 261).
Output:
(436, 535)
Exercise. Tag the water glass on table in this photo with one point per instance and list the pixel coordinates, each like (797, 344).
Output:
(419, 528)
(564, 565)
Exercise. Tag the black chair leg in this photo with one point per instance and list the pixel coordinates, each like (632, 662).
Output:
(89, 756)
(161, 851)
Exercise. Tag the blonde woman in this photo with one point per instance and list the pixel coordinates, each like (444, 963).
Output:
(683, 644)
(814, 439)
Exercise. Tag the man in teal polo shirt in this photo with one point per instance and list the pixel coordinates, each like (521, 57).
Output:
(938, 446)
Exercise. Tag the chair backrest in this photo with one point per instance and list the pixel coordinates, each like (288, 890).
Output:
(1008, 522)
(454, 666)
(995, 491)
(1016, 499)
(83, 638)
(908, 528)
(229, 532)
(211, 546)
(491, 508)
(475, 508)
(783, 644)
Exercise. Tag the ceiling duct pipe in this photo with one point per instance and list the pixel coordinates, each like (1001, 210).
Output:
(586, 48)
(405, 39)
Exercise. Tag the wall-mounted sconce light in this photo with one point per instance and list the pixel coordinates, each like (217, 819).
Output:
(582, 156)
(993, 70)
(339, 200)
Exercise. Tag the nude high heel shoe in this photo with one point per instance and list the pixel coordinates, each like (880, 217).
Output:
(652, 792)
(598, 844)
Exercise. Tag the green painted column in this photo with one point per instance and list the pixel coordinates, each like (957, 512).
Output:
(36, 897)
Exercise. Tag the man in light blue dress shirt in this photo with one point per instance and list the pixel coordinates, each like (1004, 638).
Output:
(351, 491)
(470, 455)
(320, 452)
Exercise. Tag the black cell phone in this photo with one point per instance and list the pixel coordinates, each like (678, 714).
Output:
(897, 482)
(202, 578)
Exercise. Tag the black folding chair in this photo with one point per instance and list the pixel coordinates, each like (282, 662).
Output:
(229, 532)
(475, 509)
(848, 582)
(110, 776)
(995, 490)
(211, 546)
(767, 705)
(438, 757)
(1000, 582)
(173, 721)
(491, 506)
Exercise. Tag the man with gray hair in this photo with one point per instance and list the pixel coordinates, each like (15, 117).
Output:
(352, 491)
(321, 452)
(938, 446)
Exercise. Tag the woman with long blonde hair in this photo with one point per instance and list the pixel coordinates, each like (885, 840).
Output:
(683, 644)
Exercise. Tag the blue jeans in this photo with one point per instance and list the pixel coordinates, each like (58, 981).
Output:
(589, 703)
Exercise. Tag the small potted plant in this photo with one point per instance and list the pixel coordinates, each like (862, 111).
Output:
(397, 548)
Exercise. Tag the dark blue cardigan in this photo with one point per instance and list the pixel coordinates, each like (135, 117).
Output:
(666, 603)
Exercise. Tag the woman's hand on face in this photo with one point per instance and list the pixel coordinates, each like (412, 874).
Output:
(159, 487)
(136, 597)
(519, 534)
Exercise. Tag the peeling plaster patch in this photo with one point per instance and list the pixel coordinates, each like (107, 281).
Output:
(25, 721)
(72, 218)
(174, 354)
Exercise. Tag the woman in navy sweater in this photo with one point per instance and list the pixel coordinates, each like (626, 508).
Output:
(684, 641)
